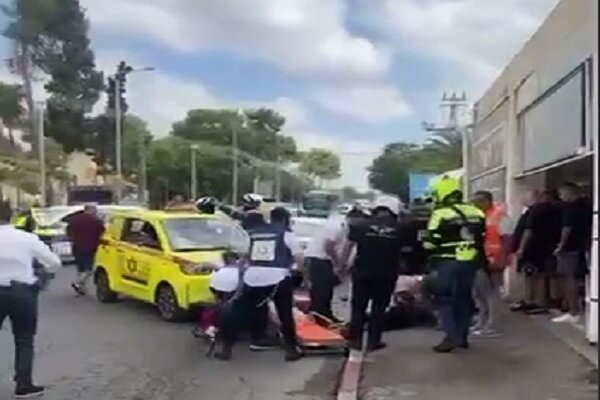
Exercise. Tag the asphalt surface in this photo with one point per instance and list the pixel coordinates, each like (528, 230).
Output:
(124, 351)
(527, 363)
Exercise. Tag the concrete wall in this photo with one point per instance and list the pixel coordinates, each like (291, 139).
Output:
(568, 38)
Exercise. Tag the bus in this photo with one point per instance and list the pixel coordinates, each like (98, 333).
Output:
(319, 203)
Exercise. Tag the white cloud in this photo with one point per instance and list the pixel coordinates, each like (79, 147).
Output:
(296, 35)
(477, 37)
(370, 102)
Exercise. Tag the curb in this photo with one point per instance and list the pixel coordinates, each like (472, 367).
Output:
(351, 374)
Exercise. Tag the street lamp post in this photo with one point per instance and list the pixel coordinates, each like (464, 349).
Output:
(41, 151)
(234, 158)
(118, 125)
(193, 175)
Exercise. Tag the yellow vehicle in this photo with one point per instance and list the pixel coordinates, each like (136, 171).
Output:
(164, 258)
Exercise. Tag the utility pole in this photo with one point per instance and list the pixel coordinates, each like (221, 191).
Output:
(142, 183)
(234, 166)
(193, 174)
(118, 138)
(41, 151)
(454, 103)
(278, 172)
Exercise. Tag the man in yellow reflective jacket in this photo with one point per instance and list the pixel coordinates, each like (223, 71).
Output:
(455, 236)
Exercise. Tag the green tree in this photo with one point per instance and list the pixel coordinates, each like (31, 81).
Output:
(320, 164)
(257, 131)
(11, 110)
(445, 148)
(136, 139)
(51, 36)
(389, 172)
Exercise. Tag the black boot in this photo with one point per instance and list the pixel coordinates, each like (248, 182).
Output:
(292, 354)
(225, 353)
(446, 346)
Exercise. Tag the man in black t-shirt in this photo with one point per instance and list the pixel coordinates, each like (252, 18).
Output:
(378, 242)
(572, 248)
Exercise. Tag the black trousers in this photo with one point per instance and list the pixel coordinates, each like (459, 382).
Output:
(250, 312)
(20, 304)
(322, 284)
(377, 291)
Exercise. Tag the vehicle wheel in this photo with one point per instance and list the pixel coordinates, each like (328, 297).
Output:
(103, 292)
(166, 302)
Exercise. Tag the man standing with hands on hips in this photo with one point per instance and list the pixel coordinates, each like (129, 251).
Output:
(19, 298)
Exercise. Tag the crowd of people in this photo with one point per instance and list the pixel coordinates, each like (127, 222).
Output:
(469, 245)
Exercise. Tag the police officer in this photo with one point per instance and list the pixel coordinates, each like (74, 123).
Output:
(378, 241)
(19, 297)
(455, 236)
(273, 251)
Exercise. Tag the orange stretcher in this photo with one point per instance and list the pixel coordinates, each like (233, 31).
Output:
(314, 333)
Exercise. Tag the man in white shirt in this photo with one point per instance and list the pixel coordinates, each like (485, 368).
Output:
(273, 251)
(18, 298)
(322, 260)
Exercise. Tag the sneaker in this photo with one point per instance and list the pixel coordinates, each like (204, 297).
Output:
(262, 345)
(487, 334)
(78, 289)
(572, 319)
(29, 392)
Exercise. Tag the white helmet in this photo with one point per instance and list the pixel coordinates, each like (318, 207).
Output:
(389, 202)
(251, 200)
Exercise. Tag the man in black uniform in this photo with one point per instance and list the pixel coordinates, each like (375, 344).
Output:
(378, 241)
(249, 218)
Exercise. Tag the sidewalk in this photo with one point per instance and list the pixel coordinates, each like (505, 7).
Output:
(529, 363)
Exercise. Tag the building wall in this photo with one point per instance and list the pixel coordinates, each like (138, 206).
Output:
(525, 111)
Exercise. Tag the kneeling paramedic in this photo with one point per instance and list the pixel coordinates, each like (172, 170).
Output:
(273, 251)
(455, 240)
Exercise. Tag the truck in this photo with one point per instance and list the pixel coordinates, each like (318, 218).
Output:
(319, 203)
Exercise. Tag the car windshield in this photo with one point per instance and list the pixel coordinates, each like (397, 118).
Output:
(53, 218)
(306, 228)
(192, 234)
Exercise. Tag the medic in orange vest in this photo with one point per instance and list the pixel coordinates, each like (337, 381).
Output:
(497, 233)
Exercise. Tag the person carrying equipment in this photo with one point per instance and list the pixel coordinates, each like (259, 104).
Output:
(455, 242)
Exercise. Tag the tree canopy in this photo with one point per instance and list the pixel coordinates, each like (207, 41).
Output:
(51, 37)
(321, 164)
(389, 172)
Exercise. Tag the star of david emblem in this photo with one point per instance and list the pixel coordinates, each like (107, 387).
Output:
(131, 265)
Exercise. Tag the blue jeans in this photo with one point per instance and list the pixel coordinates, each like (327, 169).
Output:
(455, 306)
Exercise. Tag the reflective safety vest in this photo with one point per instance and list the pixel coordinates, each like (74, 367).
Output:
(456, 232)
(268, 248)
(493, 238)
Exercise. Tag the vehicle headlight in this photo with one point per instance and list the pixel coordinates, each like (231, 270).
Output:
(206, 268)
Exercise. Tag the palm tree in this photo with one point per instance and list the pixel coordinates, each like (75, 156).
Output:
(11, 110)
(446, 147)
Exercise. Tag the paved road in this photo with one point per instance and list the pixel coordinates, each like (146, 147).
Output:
(527, 364)
(123, 351)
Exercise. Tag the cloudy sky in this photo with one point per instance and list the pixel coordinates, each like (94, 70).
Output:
(350, 75)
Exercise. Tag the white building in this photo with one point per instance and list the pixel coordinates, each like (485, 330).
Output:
(537, 125)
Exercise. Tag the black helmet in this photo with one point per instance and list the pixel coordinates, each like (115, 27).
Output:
(206, 204)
